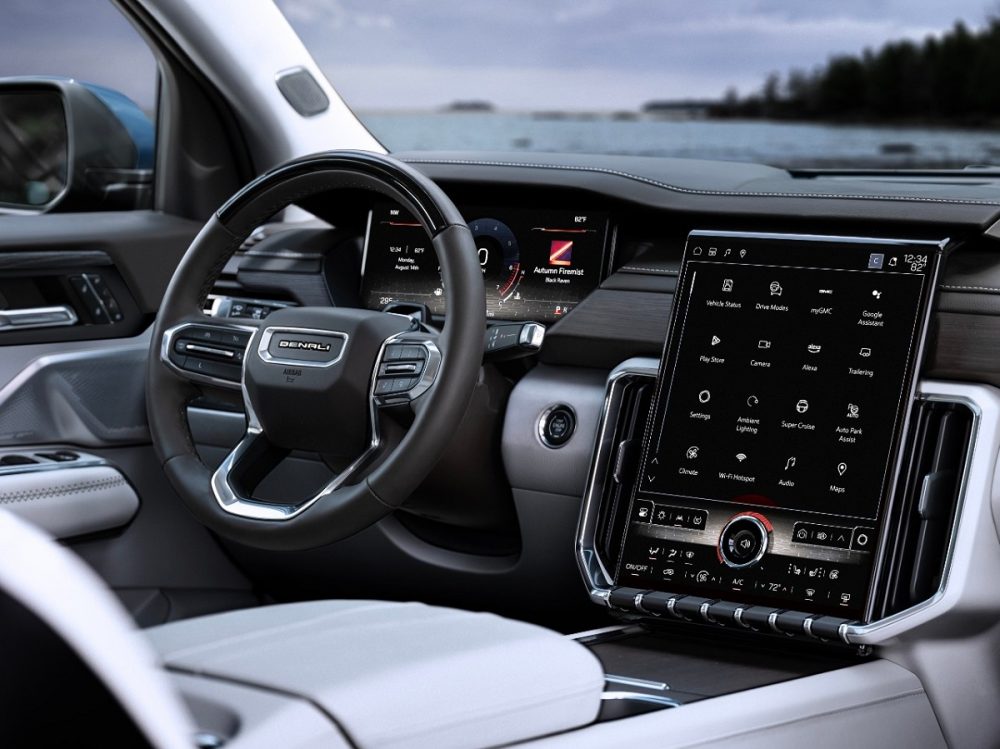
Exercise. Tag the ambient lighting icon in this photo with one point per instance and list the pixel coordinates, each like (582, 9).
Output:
(561, 252)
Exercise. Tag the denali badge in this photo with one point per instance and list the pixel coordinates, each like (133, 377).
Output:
(303, 345)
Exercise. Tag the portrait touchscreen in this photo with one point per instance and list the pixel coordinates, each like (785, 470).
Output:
(788, 374)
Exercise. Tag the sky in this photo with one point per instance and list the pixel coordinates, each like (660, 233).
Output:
(517, 54)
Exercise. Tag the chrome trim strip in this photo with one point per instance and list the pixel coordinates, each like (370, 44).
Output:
(671, 604)
(595, 574)
(807, 626)
(430, 368)
(269, 333)
(765, 535)
(630, 681)
(703, 611)
(32, 318)
(640, 697)
(364, 249)
(772, 622)
(983, 440)
(738, 617)
(613, 630)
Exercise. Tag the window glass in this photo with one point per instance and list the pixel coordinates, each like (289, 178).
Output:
(856, 83)
(90, 45)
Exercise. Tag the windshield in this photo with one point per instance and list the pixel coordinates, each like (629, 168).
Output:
(852, 84)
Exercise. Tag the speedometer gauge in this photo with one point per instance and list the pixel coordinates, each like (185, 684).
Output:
(499, 255)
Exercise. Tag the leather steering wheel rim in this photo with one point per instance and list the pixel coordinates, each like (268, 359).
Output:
(356, 506)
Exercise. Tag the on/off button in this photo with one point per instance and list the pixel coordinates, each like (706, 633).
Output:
(556, 426)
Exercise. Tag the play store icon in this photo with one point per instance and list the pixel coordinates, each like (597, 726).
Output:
(716, 340)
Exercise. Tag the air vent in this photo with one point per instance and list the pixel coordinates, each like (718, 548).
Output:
(633, 415)
(935, 455)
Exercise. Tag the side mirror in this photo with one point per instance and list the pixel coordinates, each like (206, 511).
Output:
(69, 146)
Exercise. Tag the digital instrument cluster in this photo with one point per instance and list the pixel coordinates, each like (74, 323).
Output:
(768, 467)
(536, 264)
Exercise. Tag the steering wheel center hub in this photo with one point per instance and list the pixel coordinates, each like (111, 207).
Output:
(309, 374)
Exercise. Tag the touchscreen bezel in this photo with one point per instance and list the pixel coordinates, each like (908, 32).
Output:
(889, 506)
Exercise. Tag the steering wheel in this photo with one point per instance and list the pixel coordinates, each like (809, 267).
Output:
(316, 379)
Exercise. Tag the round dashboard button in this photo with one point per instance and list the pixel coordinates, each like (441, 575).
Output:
(744, 540)
(556, 426)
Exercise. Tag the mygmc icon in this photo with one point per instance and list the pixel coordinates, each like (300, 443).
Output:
(303, 345)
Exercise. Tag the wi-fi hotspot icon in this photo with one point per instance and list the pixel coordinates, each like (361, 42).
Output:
(741, 457)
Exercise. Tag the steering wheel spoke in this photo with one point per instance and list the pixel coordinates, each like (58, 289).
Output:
(207, 352)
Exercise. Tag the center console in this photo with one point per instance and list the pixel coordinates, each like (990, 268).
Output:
(775, 470)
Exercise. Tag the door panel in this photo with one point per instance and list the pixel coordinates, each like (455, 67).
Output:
(82, 387)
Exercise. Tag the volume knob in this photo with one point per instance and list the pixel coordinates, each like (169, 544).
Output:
(744, 540)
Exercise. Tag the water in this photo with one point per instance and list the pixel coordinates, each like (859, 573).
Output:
(777, 143)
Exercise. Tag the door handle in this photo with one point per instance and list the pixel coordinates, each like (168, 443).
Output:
(37, 317)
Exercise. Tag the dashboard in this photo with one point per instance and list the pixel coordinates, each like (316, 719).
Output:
(536, 264)
(633, 269)
(845, 442)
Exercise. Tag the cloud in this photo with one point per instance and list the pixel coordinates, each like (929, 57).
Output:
(581, 54)
(84, 39)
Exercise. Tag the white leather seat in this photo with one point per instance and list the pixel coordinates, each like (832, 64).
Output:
(65, 594)
(384, 674)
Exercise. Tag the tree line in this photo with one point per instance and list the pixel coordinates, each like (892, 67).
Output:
(951, 78)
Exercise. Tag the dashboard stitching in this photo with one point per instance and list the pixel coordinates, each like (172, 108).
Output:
(664, 271)
(952, 287)
(695, 191)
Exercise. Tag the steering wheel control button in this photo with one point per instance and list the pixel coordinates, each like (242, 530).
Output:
(215, 353)
(404, 352)
(556, 426)
(401, 368)
(744, 540)
(394, 385)
(398, 369)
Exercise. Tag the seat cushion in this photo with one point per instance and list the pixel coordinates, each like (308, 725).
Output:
(399, 674)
